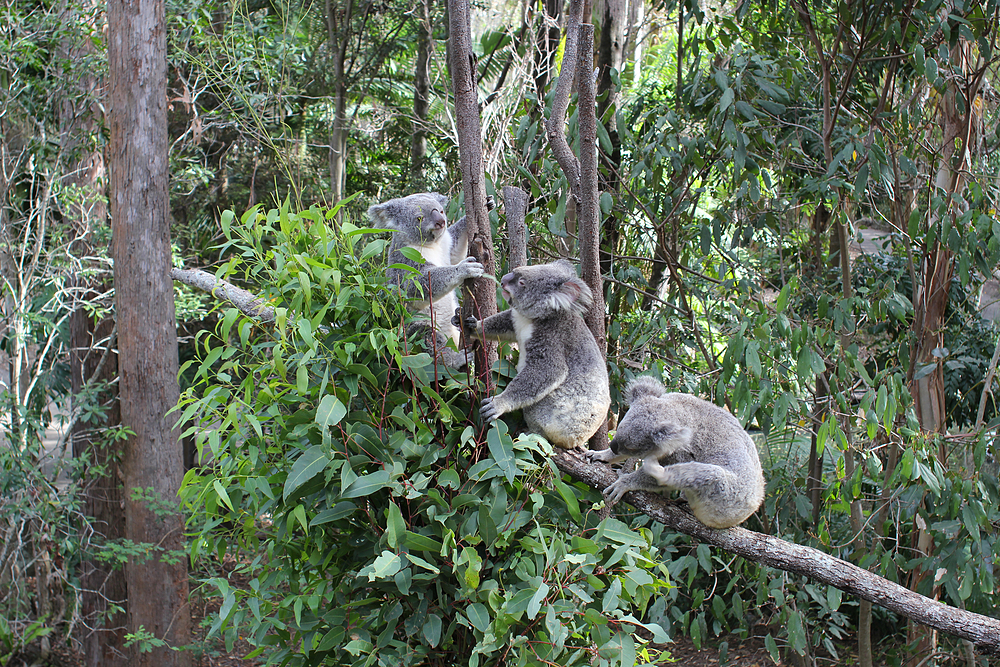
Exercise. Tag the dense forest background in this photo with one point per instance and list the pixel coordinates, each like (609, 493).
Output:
(798, 221)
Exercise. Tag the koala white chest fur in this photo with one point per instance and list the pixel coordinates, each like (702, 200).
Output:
(686, 444)
(522, 332)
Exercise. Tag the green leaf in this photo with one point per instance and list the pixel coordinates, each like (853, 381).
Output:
(366, 485)
(727, 99)
(385, 566)
(330, 411)
(395, 525)
(502, 450)
(311, 462)
(223, 495)
(479, 616)
(568, 496)
(615, 531)
(339, 511)
(432, 630)
(535, 604)
(419, 542)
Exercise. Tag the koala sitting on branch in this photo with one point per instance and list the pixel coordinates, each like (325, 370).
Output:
(561, 384)
(419, 222)
(686, 444)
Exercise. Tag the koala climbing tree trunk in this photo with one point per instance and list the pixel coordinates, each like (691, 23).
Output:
(479, 300)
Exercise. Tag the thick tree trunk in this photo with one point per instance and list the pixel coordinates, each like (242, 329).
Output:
(152, 464)
(590, 210)
(480, 299)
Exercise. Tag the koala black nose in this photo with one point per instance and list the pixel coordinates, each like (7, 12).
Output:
(507, 279)
(438, 218)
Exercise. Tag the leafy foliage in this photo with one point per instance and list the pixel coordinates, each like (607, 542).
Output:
(385, 526)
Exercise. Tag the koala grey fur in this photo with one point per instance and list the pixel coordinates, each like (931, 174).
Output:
(686, 444)
(561, 384)
(418, 221)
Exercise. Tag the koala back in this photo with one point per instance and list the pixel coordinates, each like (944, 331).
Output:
(544, 290)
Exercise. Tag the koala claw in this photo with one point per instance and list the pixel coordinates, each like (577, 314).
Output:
(597, 455)
(488, 410)
(615, 492)
(471, 267)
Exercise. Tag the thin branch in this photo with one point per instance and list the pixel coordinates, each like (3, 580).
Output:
(252, 306)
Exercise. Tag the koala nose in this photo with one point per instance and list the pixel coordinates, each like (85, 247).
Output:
(438, 218)
(507, 279)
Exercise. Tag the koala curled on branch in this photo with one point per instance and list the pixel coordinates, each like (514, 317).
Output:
(686, 444)
(561, 384)
(418, 221)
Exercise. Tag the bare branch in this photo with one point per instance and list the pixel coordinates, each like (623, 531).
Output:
(250, 305)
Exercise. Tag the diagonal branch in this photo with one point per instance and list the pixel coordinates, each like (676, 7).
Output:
(982, 631)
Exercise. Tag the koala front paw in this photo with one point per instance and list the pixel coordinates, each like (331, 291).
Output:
(489, 410)
(617, 489)
(598, 455)
(471, 268)
(469, 326)
(491, 203)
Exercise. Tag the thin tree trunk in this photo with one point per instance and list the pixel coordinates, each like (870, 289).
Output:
(152, 464)
(480, 300)
(590, 210)
(338, 33)
(421, 96)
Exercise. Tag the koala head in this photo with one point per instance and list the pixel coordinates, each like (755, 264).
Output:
(546, 289)
(417, 218)
(643, 426)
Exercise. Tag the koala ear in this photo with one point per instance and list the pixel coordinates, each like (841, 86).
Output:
(573, 293)
(441, 199)
(381, 216)
(643, 385)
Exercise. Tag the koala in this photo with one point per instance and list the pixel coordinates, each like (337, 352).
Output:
(418, 221)
(686, 444)
(561, 384)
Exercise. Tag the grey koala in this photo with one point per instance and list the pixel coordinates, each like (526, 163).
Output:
(418, 221)
(562, 382)
(686, 444)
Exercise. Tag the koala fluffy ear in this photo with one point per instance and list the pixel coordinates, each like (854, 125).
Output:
(644, 385)
(441, 200)
(381, 215)
(573, 293)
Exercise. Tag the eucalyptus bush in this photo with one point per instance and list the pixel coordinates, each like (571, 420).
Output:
(380, 523)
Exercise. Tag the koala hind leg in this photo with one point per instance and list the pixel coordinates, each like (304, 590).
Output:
(713, 492)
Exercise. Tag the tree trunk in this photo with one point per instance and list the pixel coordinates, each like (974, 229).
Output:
(152, 464)
(421, 97)
(480, 300)
(338, 34)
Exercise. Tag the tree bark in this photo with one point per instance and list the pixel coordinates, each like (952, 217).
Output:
(982, 631)
(421, 96)
(147, 332)
(338, 33)
(590, 209)
(480, 300)
(515, 204)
